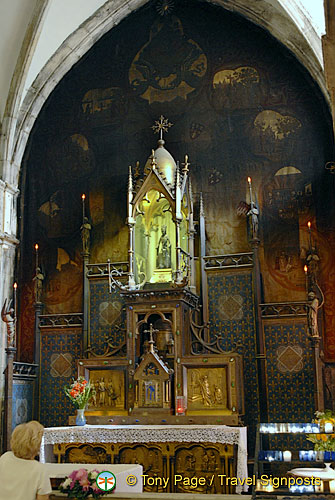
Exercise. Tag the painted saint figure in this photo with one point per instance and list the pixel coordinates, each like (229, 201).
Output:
(164, 251)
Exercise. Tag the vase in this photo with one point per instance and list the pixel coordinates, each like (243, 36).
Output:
(80, 418)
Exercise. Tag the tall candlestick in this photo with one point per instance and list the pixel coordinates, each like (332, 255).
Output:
(250, 189)
(36, 257)
(310, 234)
(15, 298)
(83, 196)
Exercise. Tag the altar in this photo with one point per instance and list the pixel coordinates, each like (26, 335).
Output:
(170, 452)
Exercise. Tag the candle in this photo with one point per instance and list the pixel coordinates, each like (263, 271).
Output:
(287, 455)
(310, 234)
(306, 278)
(250, 189)
(83, 196)
(328, 427)
(332, 486)
(36, 257)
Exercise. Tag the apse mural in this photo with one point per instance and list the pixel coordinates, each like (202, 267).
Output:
(240, 105)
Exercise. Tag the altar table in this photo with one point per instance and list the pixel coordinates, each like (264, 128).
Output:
(150, 433)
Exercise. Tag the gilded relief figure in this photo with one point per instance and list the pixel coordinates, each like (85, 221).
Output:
(102, 392)
(112, 396)
(205, 391)
(164, 251)
(218, 396)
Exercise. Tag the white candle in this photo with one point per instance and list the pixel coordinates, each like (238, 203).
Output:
(328, 427)
(287, 455)
(332, 486)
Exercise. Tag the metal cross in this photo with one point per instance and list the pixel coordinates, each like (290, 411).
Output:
(161, 125)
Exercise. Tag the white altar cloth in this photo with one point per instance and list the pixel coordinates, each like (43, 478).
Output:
(150, 433)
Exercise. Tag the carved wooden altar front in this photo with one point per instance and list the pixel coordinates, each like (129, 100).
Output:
(162, 460)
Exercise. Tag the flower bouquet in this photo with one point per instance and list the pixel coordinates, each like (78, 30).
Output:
(79, 392)
(323, 442)
(80, 484)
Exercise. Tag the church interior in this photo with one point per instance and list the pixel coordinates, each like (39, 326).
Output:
(168, 234)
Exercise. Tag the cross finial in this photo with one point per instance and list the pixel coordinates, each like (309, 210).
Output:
(161, 125)
(151, 342)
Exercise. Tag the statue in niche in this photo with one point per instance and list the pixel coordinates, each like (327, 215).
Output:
(164, 251)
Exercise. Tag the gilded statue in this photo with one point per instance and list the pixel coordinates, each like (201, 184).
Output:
(164, 251)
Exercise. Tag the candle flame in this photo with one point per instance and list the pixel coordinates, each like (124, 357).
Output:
(15, 285)
(83, 196)
(309, 224)
(249, 180)
(36, 247)
(305, 268)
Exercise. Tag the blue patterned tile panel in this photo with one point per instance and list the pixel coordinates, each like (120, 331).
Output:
(60, 350)
(107, 316)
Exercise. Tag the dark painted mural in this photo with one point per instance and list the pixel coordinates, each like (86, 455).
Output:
(241, 106)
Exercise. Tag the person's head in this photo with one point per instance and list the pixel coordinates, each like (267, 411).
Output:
(26, 439)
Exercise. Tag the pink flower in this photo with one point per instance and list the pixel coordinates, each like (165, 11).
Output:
(73, 482)
(85, 484)
(95, 488)
(81, 474)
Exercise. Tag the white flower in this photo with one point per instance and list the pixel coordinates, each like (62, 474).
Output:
(66, 483)
(94, 474)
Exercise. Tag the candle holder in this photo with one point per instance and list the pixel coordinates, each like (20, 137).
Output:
(180, 405)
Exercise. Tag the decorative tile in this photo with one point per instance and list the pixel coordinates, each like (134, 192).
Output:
(61, 365)
(290, 358)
